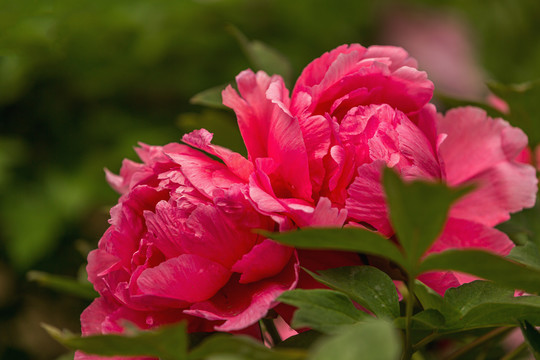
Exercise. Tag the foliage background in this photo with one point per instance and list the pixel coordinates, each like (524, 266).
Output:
(82, 82)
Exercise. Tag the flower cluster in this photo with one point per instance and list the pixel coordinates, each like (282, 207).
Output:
(181, 243)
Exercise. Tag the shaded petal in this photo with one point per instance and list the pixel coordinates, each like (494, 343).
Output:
(241, 305)
(367, 202)
(263, 261)
(187, 277)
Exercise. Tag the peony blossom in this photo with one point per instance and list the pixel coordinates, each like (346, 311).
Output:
(319, 153)
(181, 246)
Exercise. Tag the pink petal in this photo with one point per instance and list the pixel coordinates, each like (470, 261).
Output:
(464, 234)
(187, 277)
(269, 130)
(211, 235)
(241, 305)
(475, 142)
(502, 189)
(266, 259)
(366, 202)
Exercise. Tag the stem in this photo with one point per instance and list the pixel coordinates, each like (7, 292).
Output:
(425, 340)
(477, 342)
(270, 327)
(407, 353)
(516, 352)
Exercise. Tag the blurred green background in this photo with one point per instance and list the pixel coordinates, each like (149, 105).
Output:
(81, 82)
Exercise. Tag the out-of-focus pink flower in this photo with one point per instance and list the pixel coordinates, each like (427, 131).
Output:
(355, 110)
(181, 246)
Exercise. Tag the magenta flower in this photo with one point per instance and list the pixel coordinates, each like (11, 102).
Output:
(181, 246)
(319, 155)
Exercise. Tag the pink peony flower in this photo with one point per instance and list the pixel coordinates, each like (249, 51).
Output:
(317, 157)
(181, 246)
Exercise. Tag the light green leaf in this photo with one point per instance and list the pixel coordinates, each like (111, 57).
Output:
(487, 266)
(166, 343)
(224, 346)
(210, 97)
(366, 285)
(348, 239)
(418, 212)
(322, 310)
(527, 254)
(371, 339)
(64, 284)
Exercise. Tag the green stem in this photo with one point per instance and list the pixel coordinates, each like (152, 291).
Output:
(408, 350)
(516, 352)
(270, 327)
(477, 342)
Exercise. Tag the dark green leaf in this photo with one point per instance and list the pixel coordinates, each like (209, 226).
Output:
(531, 334)
(487, 266)
(241, 347)
(429, 319)
(348, 239)
(372, 339)
(485, 304)
(366, 285)
(167, 343)
(209, 97)
(64, 284)
(303, 340)
(263, 57)
(322, 310)
(418, 212)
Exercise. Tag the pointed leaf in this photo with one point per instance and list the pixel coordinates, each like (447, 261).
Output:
(210, 97)
(485, 304)
(224, 346)
(418, 212)
(372, 339)
(167, 343)
(348, 239)
(428, 298)
(64, 284)
(262, 56)
(531, 334)
(487, 266)
(322, 310)
(366, 285)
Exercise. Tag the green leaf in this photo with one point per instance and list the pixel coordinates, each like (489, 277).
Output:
(366, 285)
(527, 254)
(418, 212)
(371, 339)
(303, 340)
(485, 304)
(531, 334)
(210, 97)
(348, 239)
(428, 298)
(224, 346)
(429, 319)
(64, 284)
(322, 310)
(523, 102)
(262, 56)
(167, 342)
(487, 266)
